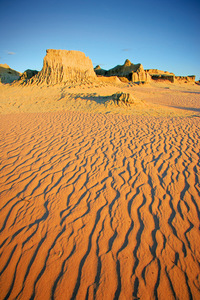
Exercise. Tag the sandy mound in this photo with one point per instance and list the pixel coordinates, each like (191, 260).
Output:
(111, 79)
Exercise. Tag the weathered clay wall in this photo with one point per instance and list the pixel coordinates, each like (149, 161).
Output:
(65, 66)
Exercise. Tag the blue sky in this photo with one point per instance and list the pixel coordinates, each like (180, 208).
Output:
(159, 34)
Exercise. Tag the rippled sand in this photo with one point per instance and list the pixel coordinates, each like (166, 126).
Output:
(99, 206)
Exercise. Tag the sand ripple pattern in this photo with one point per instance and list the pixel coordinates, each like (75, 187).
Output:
(97, 206)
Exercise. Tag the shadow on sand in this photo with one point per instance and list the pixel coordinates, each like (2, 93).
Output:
(186, 108)
(94, 97)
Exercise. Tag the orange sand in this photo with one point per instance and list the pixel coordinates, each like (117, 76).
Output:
(101, 206)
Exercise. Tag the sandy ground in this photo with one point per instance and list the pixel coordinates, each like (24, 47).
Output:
(99, 201)
(158, 99)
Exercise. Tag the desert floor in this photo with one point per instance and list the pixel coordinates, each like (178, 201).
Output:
(99, 201)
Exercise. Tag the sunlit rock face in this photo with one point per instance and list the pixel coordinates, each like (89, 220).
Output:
(133, 72)
(65, 66)
(185, 79)
(159, 75)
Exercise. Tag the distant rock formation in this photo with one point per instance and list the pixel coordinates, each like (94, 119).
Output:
(156, 71)
(62, 66)
(8, 75)
(28, 74)
(73, 67)
(185, 79)
(160, 75)
(134, 73)
(99, 71)
(197, 82)
(164, 75)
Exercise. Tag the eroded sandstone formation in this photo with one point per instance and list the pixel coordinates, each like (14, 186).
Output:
(185, 79)
(160, 75)
(28, 74)
(165, 75)
(121, 97)
(99, 71)
(62, 66)
(8, 75)
(133, 72)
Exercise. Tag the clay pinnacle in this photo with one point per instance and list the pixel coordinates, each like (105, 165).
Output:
(127, 62)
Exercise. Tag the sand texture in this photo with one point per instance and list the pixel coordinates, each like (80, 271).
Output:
(95, 204)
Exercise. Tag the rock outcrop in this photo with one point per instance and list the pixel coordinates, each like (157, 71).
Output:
(133, 72)
(8, 75)
(165, 75)
(63, 66)
(99, 71)
(122, 99)
(125, 98)
(160, 75)
(125, 70)
(28, 74)
(185, 79)
(197, 82)
(156, 71)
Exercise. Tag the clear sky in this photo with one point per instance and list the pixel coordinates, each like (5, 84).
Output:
(159, 34)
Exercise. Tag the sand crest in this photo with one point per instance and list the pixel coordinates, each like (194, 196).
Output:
(99, 206)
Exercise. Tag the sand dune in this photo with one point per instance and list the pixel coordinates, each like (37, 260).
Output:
(99, 206)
